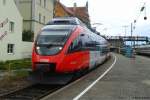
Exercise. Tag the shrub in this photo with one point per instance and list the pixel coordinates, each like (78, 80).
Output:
(27, 36)
(15, 64)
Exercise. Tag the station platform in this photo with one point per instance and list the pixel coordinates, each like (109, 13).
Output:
(128, 79)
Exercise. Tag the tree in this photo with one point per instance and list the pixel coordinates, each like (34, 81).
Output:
(28, 36)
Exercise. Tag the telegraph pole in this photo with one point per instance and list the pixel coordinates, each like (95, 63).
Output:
(131, 33)
(125, 29)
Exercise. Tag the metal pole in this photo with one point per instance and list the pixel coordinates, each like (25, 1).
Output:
(131, 33)
(125, 27)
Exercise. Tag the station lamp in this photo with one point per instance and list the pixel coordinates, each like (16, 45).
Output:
(142, 9)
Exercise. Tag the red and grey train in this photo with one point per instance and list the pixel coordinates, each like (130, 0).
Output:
(65, 46)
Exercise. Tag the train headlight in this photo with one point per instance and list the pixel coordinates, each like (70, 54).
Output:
(37, 48)
(46, 50)
(60, 48)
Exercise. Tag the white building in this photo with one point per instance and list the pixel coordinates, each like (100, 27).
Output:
(11, 45)
(35, 13)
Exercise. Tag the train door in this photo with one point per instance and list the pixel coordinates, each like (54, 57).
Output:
(89, 45)
(76, 58)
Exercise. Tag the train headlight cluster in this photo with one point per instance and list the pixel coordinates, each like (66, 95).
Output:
(60, 48)
(48, 50)
(37, 48)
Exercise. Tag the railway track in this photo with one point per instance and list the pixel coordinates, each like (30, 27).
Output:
(34, 92)
(37, 91)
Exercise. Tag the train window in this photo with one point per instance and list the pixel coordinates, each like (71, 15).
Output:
(94, 42)
(52, 37)
(104, 50)
(76, 45)
(51, 42)
(88, 43)
(85, 40)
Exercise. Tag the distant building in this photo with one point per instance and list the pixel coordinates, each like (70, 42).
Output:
(81, 12)
(11, 45)
(36, 13)
(116, 43)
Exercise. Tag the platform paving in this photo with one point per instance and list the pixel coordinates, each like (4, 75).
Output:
(129, 79)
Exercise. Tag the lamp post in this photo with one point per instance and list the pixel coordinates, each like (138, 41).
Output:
(94, 25)
(131, 33)
(143, 8)
(125, 31)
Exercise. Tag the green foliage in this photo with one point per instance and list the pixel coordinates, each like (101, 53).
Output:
(3, 65)
(21, 74)
(11, 80)
(27, 35)
(15, 64)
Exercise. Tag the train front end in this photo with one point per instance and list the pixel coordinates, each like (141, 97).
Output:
(48, 54)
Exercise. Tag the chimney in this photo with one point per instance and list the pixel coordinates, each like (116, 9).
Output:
(87, 5)
(74, 5)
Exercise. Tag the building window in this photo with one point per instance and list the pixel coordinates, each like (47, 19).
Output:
(40, 2)
(4, 2)
(44, 3)
(10, 48)
(39, 17)
(44, 19)
(11, 26)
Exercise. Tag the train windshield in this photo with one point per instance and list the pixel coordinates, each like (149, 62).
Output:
(50, 42)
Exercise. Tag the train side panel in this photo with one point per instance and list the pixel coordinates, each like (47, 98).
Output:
(77, 58)
(75, 61)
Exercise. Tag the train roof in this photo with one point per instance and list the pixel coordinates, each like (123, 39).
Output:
(69, 23)
(59, 27)
(65, 21)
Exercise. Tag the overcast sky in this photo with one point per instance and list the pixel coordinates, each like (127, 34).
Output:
(114, 14)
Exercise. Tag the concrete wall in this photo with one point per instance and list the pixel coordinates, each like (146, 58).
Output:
(46, 11)
(24, 7)
(26, 49)
(10, 13)
(30, 10)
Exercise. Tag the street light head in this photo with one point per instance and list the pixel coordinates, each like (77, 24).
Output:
(142, 8)
(134, 21)
(145, 18)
